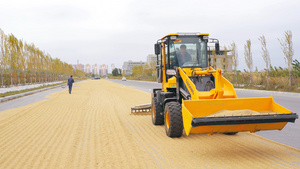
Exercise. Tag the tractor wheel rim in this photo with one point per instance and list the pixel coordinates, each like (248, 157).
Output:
(153, 111)
(167, 119)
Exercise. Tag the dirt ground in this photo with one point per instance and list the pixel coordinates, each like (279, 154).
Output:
(93, 128)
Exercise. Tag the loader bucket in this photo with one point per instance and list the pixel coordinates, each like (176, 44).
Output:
(234, 115)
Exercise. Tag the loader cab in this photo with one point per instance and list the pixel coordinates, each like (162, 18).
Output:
(181, 50)
(186, 51)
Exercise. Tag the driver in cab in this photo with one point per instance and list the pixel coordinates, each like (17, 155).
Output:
(181, 57)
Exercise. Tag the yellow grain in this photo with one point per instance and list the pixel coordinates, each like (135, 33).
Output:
(93, 128)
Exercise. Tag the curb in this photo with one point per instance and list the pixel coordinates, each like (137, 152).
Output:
(268, 92)
(3, 99)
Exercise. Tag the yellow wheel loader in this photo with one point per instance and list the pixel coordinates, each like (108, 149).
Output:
(196, 98)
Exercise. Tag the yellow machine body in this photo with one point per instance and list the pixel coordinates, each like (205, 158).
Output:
(208, 101)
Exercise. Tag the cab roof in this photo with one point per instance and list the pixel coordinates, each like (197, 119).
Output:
(185, 34)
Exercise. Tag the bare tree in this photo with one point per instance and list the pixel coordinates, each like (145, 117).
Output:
(265, 55)
(288, 51)
(248, 58)
(213, 59)
(21, 59)
(30, 67)
(2, 55)
(48, 56)
(12, 48)
(17, 56)
(235, 59)
(225, 60)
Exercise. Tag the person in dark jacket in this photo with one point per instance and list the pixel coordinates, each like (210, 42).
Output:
(181, 57)
(70, 83)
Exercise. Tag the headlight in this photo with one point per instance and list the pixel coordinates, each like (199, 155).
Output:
(171, 72)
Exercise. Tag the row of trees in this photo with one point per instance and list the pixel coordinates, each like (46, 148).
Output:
(287, 49)
(278, 78)
(145, 72)
(21, 63)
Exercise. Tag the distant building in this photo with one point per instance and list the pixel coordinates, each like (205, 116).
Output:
(94, 69)
(151, 58)
(220, 61)
(127, 66)
(103, 70)
(79, 67)
(87, 68)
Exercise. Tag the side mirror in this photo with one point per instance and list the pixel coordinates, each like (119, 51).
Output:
(157, 48)
(217, 47)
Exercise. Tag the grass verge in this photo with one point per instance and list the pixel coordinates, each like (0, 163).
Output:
(27, 90)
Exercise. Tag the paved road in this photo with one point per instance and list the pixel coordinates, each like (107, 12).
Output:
(93, 128)
(290, 135)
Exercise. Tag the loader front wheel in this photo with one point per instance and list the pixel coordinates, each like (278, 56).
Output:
(173, 119)
(157, 112)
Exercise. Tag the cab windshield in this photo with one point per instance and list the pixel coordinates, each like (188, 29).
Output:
(188, 52)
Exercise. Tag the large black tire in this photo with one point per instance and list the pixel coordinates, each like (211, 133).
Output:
(173, 119)
(157, 112)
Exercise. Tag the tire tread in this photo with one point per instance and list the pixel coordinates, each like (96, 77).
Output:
(159, 117)
(175, 118)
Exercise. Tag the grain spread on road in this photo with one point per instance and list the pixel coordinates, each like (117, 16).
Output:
(93, 128)
(244, 112)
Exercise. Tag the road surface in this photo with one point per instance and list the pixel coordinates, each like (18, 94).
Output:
(290, 135)
(22, 101)
(93, 128)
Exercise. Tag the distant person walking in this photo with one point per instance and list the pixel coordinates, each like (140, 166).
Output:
(70, 83)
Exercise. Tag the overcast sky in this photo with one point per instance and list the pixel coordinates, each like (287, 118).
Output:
(114, 31)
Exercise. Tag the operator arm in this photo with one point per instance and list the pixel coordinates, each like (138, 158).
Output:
(175, 62)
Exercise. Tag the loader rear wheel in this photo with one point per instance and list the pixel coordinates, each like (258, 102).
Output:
(157, 112)
(173, 119)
